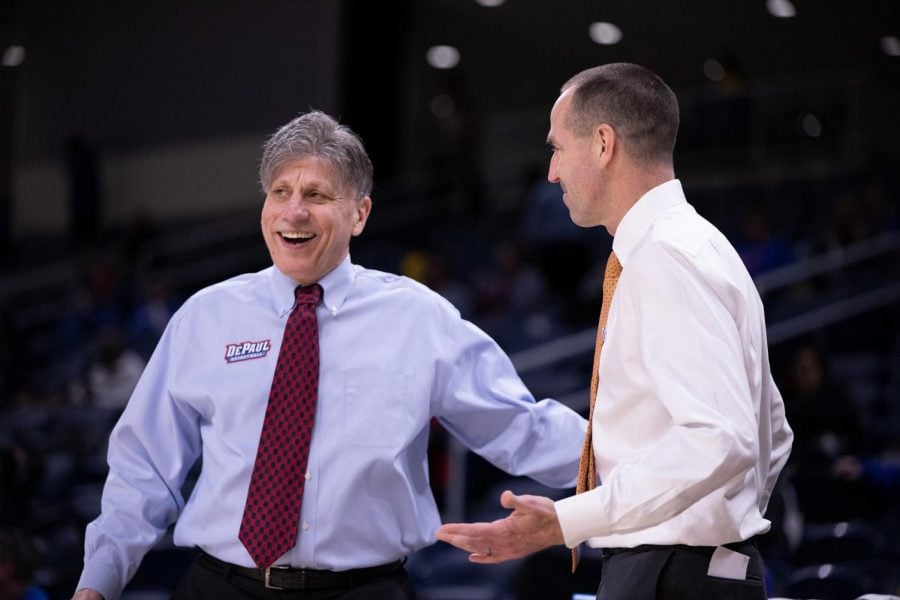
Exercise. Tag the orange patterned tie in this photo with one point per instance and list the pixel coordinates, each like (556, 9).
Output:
(587, 471)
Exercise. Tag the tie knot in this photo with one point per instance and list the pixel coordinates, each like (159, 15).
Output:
(308, 295)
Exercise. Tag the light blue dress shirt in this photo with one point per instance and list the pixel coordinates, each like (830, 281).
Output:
(394, 354)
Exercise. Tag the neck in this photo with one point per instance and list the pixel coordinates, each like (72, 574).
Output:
(637, 180)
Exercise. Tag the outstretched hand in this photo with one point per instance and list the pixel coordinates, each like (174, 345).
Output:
(532, 526)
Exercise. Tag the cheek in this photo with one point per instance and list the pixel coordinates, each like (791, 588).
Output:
(268, 214)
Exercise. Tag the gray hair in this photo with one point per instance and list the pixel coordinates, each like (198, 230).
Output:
(317, 135)
(631, 99)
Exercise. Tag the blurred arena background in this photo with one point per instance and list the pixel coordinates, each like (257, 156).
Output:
(129, 143)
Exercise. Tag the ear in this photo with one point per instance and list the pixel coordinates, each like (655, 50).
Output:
(361, 213)
(603, 144)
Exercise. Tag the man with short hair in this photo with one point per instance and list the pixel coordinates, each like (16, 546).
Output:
(687, 433)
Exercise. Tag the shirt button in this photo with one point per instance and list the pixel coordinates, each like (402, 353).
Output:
(305, 526)
(308, 476)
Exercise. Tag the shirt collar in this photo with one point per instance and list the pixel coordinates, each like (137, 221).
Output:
(639, 217)
(335, 287)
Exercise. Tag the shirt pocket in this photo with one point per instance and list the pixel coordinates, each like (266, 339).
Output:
(375, 412)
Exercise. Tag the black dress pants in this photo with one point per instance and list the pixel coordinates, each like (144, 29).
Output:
(204, 583)
(677, 573)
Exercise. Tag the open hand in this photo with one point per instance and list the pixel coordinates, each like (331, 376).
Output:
(532, 526)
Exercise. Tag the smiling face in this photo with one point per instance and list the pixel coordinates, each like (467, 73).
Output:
(309, 217)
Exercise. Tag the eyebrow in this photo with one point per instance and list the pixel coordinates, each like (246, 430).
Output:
(315, 184)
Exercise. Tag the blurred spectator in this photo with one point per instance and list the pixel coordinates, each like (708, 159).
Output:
(882, 470)
(824, 417)
(509, 284)
(114, 371)
(759, 246)
(433, 270)
(150, 316)
(18, 561)
(95, 304)
(879, 212)
(827, 425)
(561, 249)
(514, 306)
(545, 217)
(848, 222)
(860, 212)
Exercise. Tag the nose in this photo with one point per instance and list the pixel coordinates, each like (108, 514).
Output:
(298, 207)
(553, 172)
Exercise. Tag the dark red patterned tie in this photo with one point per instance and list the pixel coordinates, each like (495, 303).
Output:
(272, 513)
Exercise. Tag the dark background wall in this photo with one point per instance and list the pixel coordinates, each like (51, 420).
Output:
(161, 81)
(134, 75)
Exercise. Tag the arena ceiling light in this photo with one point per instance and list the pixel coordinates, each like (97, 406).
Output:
(783, 9)
(13, 56)
(811, 125)
(891, 45)
(490, 3)
(442, 57)
(605, 33)
(713, 70)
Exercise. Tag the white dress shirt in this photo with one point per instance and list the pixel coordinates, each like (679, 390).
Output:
(689, 431)
(393, 354)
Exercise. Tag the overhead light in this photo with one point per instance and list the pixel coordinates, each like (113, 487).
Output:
(490, 3)
(14, 56)
(442, 57)
(811, 125)
(891, 45)
(604, 33)
(713, 70)
(783, 9)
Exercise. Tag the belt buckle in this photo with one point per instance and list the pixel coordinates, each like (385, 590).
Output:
(268, 580)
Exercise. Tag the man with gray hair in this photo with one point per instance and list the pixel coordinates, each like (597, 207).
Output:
(307, 390)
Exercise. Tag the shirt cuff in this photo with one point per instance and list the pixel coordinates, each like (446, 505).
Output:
(579, 517)
(103, 579)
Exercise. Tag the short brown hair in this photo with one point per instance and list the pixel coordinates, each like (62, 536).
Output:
(634, 101)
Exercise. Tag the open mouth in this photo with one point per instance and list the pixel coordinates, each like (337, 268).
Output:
(296, 238)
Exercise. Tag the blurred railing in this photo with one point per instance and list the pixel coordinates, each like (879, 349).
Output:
(581, 344)
(840, 258)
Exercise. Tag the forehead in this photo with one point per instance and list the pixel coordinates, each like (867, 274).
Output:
(559, 112)
(308, 170)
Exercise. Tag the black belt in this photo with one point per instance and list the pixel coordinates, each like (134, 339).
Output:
(736, 546)
(289, 578)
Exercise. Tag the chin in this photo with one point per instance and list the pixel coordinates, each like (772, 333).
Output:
(298, 275)
(578, 220)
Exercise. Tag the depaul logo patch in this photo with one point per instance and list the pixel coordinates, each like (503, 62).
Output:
(246, 351)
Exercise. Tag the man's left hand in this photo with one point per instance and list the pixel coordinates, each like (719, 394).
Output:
(532, 526)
